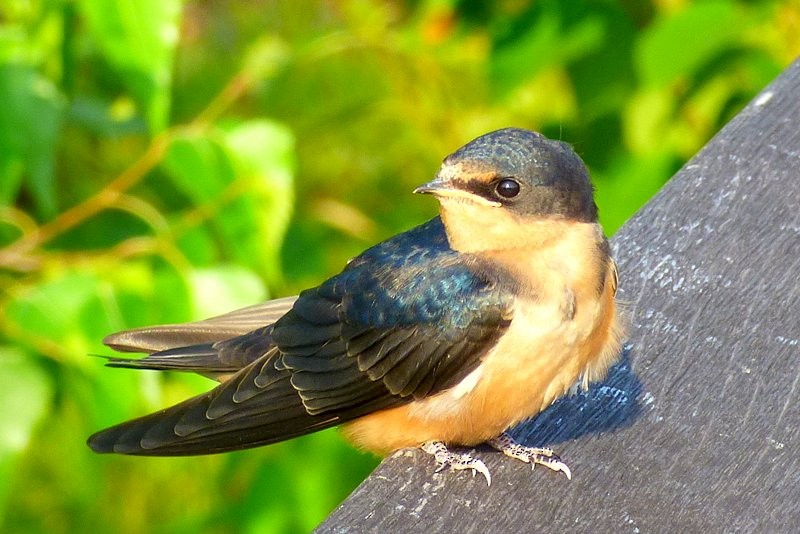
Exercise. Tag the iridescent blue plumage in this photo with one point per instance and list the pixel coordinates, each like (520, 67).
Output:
(412, 279)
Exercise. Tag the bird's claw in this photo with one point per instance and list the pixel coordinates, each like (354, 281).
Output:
(503, 443)
(533, 455)
(457, 461)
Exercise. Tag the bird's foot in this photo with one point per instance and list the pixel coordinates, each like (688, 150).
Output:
(458, 461)
(533, 455)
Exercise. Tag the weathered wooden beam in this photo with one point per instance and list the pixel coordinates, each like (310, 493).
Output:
(698, 429)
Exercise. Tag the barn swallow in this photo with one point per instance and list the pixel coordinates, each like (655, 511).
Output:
(445, 335)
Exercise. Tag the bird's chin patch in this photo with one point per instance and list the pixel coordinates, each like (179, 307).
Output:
(476, 227)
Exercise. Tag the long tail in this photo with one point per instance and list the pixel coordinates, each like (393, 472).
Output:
(257, 406)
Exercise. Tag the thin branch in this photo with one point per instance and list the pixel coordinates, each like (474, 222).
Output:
(17, 255)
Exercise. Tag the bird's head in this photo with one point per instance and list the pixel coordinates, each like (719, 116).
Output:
(511, 188)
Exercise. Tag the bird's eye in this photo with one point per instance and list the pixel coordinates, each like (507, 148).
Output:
(507, 188)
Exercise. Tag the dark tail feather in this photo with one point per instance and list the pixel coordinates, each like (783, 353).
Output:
(219, 421)
(197, 358)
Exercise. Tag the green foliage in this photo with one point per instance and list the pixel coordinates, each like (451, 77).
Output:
(31, 114)
(138, 41)
(151, 153)
(24, 402)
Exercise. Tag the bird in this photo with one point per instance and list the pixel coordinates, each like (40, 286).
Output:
(442, 337)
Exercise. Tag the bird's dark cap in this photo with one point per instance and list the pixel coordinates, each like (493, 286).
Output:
(552, 179)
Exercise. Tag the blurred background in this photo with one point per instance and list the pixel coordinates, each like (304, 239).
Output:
(163, 161)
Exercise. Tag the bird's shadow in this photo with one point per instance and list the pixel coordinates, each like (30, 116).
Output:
(608, 405)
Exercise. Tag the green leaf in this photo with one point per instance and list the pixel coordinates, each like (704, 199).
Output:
(199, 167)
(603, 78)
(629, 182)
(25, 397)
(51, 311)
(139, 293)
(138, 38)
(544, 37)
(248, 169)
(224, 288)
(677, 46)
(646, 118)
(171, 295)
(263, 155)
(74, 310)
(30, 120)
